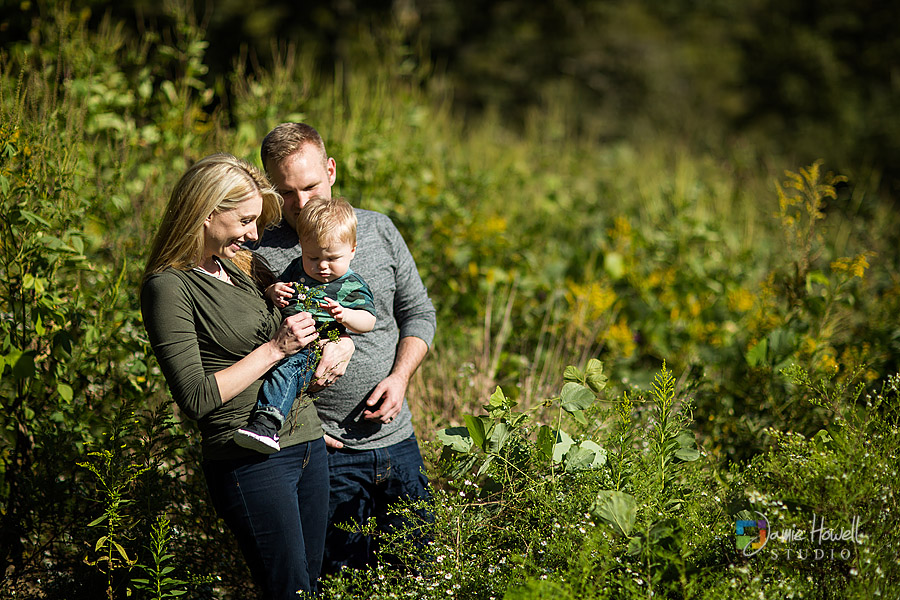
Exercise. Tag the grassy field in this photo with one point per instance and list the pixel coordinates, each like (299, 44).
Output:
(640, 344)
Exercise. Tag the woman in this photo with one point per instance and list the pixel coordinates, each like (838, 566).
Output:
(214, 337)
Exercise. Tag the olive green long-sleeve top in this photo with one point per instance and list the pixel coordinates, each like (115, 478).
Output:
(199, 325)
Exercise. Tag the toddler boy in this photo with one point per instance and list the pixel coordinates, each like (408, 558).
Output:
(320, 282)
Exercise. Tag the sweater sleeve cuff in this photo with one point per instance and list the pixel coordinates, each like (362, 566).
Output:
(420, 329)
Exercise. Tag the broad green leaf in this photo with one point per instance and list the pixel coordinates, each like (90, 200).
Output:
(77, 244)
(476, 429)
(687, 454)
(634, 546)
(578, 415)
(497, 397)
(462, 467)
(24, 366)
(686, 446)
(575, 396)
(599, 452)
(573, 374)
(499, 435)
(562, 445)
(456, 438)
(614, 265)
(594, 376)
(546, 441)
(756, 356)
(65, 392)
(782, 342)
(686, 439)
(822, 440)
(616, 508)
(487, 463)
(579, 458)
(27, 281)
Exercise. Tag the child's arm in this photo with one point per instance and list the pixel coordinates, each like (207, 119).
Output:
(279, 293)
(357, 321)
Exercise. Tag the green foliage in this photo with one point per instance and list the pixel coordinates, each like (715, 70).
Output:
(528, 515)
(565, 240)
(159, 584)
(843, 478)
(516, 534)
(116, 481)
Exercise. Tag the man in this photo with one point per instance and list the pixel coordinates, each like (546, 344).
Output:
(373, 455)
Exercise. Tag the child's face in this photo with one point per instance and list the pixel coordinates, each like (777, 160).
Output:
(327, 264)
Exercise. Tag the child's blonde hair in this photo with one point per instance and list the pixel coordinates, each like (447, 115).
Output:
(326, 221)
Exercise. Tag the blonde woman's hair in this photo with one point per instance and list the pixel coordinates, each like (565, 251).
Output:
(286, 140)
(215, 184)
(326, 221)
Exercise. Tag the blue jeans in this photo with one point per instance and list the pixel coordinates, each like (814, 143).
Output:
(277, 507)
(364, 483)
(284, 383)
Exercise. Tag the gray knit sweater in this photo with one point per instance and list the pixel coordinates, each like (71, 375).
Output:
(403, 308)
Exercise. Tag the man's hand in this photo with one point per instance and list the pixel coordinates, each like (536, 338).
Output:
(333, 364)
(386, 399)
(333, 443)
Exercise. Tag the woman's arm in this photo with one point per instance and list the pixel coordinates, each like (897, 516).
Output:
(167, 309)
(294, 334)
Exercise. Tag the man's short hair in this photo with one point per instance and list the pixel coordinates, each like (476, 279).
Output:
(326, 221)
(287, 139)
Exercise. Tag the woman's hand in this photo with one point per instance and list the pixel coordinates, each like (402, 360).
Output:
(295, 333)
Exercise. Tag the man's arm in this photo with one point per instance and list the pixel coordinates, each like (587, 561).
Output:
(416, 320)
(386, 399)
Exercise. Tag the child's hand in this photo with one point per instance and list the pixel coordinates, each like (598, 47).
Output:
(280, 293)
(334, 309)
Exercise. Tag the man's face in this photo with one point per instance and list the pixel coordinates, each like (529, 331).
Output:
(302, 176)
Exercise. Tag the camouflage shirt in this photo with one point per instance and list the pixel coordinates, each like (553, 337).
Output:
(349, 290)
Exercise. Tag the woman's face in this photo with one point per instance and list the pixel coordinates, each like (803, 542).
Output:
(224, 232)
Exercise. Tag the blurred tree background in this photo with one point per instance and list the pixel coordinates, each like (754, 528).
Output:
(798, 79)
